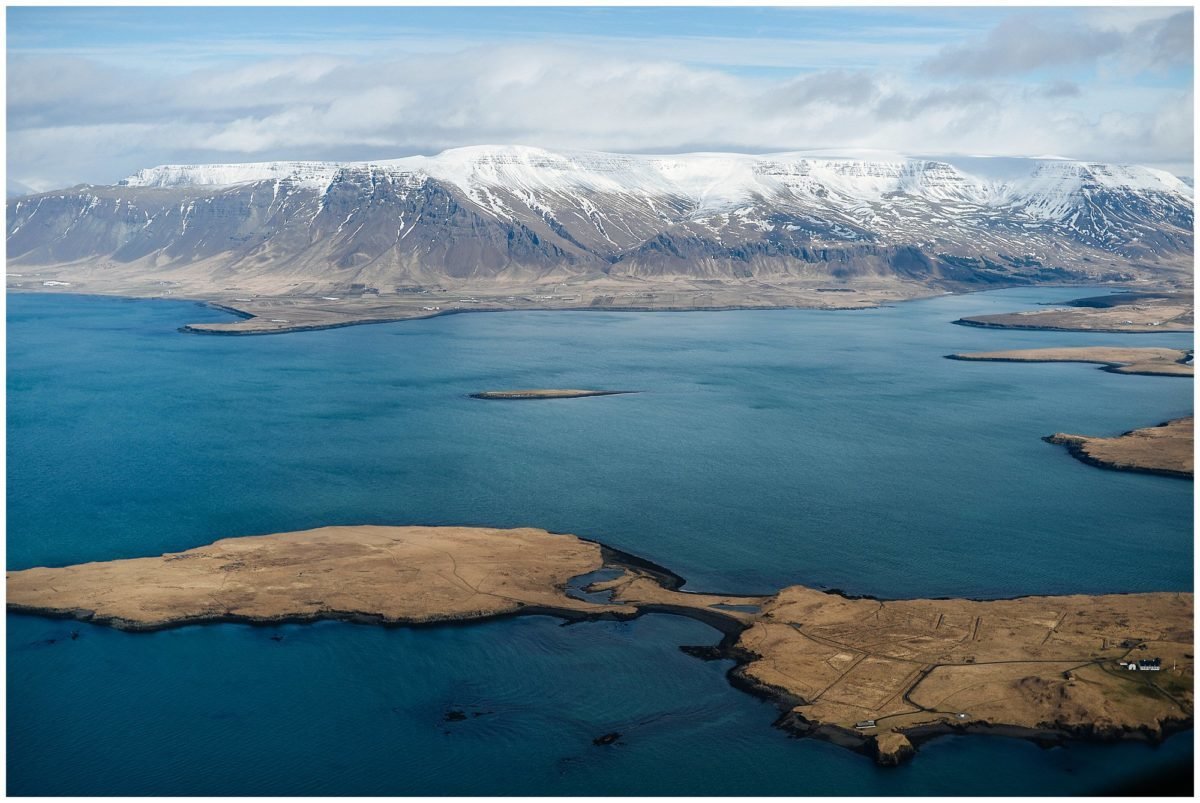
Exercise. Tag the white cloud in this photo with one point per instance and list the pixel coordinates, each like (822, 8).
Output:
(71, 119)
(1030, 42)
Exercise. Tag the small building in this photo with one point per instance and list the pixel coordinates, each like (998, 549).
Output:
(866, 724)
(1150, 664)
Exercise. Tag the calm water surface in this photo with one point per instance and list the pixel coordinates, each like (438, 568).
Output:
(827, 448)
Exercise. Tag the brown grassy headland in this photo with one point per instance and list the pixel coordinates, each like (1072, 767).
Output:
(1149, 361)
(1120, 312)
(918, 667)
(1167, 449)
(1029, 666)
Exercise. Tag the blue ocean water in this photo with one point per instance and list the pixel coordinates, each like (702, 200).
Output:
(766, 448)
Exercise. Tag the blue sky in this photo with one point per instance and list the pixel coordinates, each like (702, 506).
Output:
(75, 29)
(95, 93)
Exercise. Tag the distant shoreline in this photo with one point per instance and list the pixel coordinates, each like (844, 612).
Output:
(410, 314)
(1033, 328)
(201, 329)
(1131, 361)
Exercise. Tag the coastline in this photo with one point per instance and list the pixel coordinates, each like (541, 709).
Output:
(1097, 331)
(409, 314)
(900, 744)
(1076, 446)
(201, 329)
(1110, 366)
(1075, 449)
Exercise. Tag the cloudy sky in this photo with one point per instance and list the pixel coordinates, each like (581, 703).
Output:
(94, 93)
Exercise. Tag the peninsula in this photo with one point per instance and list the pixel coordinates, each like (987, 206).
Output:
(307, 310)
(1147, 361)
(522, 395)
(1131, 312)
(1167, 449)
(877, 676)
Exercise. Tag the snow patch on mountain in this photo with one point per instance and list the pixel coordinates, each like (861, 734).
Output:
(313, 175)
(1042, 188)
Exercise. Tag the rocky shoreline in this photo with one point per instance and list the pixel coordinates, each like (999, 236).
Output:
(1047, 328)
(889, 752)
(1168, 458)
(1145, 311)
(1112, 368)
(1116, 360)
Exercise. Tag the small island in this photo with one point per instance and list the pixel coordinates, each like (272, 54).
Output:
(1167, 449)
(524, 395)
(873, 675)
(1119, 312)
(1145, 361)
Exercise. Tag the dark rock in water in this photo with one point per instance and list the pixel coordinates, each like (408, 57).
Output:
(608, 738)
(276, 638)
(454, 715)
(704, 653)
(524, 395)
(838, 592)
(74, 635)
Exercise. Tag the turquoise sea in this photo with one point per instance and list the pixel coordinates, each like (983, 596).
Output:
(835, 449)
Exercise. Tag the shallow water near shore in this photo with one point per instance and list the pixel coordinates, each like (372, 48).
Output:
(835, 449)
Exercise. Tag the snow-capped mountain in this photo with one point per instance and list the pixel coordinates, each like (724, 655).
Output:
(508, 212)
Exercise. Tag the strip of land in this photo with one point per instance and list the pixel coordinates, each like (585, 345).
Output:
(279, 314)
(1146, 361)
(267, 308)
(1120, 312)
(1167, 449)
(390, 575)
(873, 675)
(519, 395)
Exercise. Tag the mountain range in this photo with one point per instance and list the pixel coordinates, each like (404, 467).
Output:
(512, 215)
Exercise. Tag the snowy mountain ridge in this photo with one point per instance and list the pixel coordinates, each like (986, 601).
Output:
(708, 180)
(512, 214)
